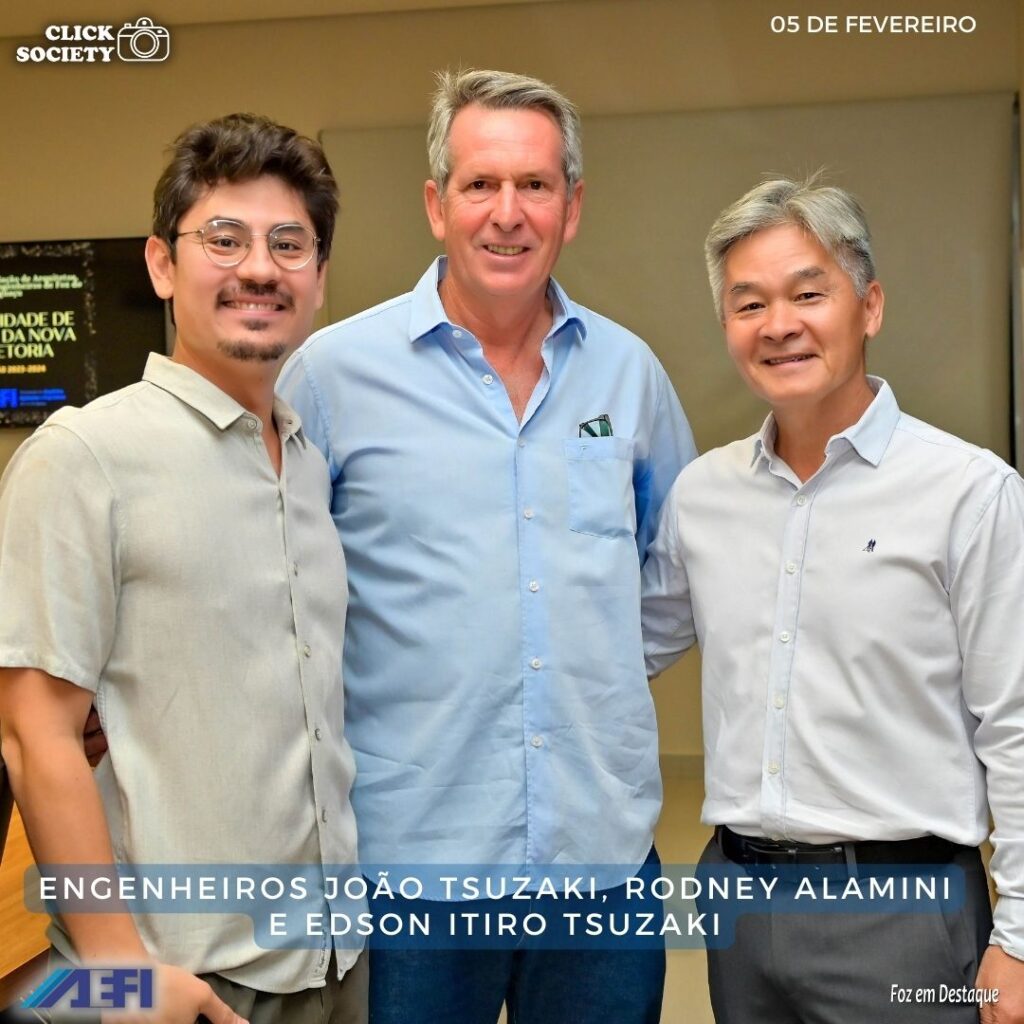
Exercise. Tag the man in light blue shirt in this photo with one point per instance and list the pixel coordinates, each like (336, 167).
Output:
(499, 455)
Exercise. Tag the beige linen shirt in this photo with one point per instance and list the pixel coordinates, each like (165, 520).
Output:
(149, 553)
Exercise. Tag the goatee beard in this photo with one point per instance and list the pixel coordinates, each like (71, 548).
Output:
(245, 349)
(248, 351)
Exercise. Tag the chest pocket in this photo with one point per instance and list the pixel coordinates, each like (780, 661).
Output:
(600, 471)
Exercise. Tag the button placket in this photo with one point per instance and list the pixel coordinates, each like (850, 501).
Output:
(783, 652)
(531, 488)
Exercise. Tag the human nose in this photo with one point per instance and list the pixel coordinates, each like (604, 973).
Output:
(507, 213)
(780, 322)
(258, 265)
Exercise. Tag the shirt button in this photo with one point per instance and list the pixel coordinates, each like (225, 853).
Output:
(522, 443)
(773, 767)
(791, 567)
(801, 499)
(456, 334)
(307, 650)
(295, 568)
(252, 424)
(527, 513)
(780, 701)
(318, 734)
(785, 637)
(323, 815)
(534, 586)
(488, 378)
(535, 663)
(537, 742)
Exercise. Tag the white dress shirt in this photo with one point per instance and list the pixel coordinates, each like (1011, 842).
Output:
(862, 640)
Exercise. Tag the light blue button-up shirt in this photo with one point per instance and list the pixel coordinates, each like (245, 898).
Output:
(497, 700)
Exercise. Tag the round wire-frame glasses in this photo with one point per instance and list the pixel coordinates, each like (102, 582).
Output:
(228, 242)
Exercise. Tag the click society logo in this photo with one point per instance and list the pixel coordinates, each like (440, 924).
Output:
(141, 42)
(111, 988)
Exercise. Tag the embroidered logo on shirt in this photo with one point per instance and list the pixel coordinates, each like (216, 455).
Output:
(870, 546)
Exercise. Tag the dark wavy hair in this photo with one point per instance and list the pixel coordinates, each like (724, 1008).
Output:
(238, 148)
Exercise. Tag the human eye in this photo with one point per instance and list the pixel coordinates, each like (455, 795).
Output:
(478, 189)
(808, 296)
(752, 306)
(224, 236)
(536, 189)
(285, 244)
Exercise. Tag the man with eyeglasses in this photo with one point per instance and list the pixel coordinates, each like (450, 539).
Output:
(499, 454)
(168, 553)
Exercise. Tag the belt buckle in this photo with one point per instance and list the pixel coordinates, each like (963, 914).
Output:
(835, 859)
(770, 852)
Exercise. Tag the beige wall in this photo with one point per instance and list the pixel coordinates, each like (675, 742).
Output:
(83, 143)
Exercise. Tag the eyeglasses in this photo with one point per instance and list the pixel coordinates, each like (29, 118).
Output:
(227, 243)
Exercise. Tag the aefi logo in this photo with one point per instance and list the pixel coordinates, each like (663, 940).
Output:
(108, 988)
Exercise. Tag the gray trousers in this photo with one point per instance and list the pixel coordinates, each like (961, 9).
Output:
(338, 1002)
(840, 968)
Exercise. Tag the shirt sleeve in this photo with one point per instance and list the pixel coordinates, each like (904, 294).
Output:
(671, 449)
(58, 559)
(666, 612)
(987, 598)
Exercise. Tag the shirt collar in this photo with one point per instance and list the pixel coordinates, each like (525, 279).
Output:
(869, 436)
(205, 397)
(428, 313)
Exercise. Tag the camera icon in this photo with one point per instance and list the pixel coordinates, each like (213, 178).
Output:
(143, 41)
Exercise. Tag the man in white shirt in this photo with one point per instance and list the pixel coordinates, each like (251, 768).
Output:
(855, 580)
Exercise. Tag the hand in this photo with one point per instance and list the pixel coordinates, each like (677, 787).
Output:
(1001, 971)
(93, 738)
(179, 998)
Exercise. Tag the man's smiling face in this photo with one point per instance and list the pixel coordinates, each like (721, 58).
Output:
(794, 324)
(505, 213)
(253, 311)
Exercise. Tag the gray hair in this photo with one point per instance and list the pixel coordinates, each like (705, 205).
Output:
(827, 213)
(499, 90)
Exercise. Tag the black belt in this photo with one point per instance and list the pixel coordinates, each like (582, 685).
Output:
(755, 850)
